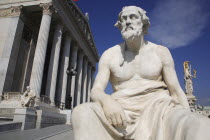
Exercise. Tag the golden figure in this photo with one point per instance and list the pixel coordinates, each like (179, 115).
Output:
(188, 78)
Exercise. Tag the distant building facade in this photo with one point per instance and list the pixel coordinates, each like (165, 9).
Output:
(47, 60)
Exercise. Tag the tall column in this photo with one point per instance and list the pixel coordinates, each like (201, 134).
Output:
(88, 83)
(62, 85)
(53, 66)
(84, 81)
(73, 65)
(40, 53)
(10, 37)
(78, 85)
(92, 76)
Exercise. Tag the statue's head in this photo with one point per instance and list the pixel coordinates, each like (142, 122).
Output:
(186, 64)
(132, 22)
(28, 88)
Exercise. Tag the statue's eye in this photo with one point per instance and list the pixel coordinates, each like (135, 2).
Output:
(132, 16)
(124, 18)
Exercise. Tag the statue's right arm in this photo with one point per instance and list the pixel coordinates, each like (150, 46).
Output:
(102, 78)
(112, 109)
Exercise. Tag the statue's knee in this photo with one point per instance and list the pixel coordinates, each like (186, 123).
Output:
(80, 112)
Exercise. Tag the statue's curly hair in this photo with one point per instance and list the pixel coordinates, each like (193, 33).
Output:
(143, 15)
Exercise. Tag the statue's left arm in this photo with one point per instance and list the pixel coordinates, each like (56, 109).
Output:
(170, 77)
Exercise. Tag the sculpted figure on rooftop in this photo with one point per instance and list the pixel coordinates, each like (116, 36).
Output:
(148, 102)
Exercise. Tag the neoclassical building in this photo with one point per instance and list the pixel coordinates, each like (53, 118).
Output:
(46, 46)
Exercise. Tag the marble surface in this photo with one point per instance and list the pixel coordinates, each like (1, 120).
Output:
(148, 102)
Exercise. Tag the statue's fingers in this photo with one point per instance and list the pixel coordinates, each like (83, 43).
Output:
(114, 121)
(124, 120)
(119, 121)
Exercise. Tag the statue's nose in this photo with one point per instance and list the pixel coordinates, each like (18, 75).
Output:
(128, 22)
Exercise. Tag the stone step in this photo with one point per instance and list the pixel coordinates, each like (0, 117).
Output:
(5, 119)
(10, 126)
(62, 132)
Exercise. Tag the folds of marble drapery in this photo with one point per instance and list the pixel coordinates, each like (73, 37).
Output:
(151, 114)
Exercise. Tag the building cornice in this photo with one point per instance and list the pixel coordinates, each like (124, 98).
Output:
(13, 11)
(82, 22)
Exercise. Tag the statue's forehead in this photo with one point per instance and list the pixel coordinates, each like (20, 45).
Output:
(129, 11)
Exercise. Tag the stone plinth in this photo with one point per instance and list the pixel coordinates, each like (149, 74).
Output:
(27, 116)
(47, 118)
(68, 115)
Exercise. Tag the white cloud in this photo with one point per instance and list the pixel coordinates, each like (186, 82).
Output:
(177, 23)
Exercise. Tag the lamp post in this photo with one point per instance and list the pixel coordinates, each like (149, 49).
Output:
(70, 72)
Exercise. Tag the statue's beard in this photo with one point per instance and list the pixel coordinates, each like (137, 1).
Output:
(131, 33)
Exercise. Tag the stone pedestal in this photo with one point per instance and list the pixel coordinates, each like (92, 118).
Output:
(27, 116)
(47, 118)
(68, 115)
(191, 101)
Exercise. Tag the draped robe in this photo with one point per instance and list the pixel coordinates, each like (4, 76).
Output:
(151, 113)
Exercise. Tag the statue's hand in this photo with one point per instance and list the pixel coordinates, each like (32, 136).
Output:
(114, 112)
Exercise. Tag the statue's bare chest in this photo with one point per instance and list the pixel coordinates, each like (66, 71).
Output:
(146, 65)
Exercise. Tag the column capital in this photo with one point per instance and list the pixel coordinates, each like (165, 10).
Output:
(11, 12)
(47, 8)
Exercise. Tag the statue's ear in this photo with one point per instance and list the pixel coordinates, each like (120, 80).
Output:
(118, 25)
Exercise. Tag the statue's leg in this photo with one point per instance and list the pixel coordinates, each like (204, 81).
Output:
(181, 124)
(87, 125)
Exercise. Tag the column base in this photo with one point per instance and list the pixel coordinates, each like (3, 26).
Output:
(52, 104)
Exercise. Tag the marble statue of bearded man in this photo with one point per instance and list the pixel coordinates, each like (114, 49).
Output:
(148, 102)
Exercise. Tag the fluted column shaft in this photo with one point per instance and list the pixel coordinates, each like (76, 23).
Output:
(84, 81)
(62, 85)
(53, 66)
(92, 76)
(88, 84)
(78, 84)
(73, 65)
(40, 53)
(10, 38)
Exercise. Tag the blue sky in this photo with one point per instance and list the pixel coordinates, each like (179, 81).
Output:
(180, 25)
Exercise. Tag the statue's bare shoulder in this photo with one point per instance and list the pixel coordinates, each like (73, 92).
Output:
(111, 54)
(164, 54)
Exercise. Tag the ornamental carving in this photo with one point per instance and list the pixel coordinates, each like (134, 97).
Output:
(11, 12)
(83, 25)
(47, 8)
